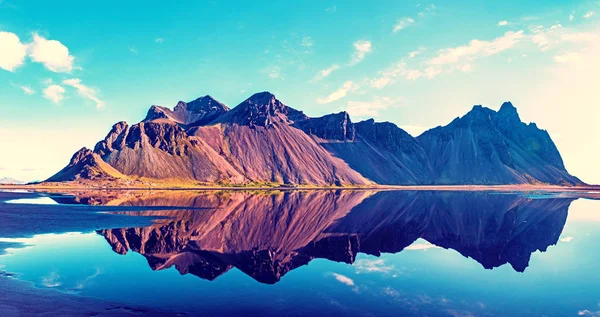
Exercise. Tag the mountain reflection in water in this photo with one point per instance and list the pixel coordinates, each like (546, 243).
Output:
(268, 234)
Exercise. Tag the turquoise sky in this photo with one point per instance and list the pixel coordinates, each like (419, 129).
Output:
(70, 70)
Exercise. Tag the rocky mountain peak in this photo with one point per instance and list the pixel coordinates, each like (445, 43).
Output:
(263, 109)
(206, 104)
(197, 112)
(508, 111)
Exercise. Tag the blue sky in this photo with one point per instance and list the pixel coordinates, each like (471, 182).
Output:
(70, 70)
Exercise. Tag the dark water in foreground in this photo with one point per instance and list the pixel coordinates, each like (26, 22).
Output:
(393, 253)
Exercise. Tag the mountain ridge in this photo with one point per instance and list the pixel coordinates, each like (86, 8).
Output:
(264, 141)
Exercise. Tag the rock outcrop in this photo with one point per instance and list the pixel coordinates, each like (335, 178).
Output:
(86, 165)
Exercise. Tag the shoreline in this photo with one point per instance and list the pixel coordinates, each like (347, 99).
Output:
(520, 188)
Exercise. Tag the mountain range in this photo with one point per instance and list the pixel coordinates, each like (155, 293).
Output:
(263, 141)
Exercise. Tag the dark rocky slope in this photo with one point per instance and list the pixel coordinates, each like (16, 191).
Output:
(489, 147)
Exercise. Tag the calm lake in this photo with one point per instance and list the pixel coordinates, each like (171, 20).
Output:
(350, 253)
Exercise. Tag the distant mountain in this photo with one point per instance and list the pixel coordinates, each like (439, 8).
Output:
(6, 180)
(489, 147)
(263, 141)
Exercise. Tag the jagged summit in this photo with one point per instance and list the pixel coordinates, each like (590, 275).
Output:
(262, 109)
(197, 112)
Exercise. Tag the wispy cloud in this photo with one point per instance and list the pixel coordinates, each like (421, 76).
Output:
(588, 313)
(159, 40)
(475, 49)
(402, 24)
(81, 284)
(133, 50)
(307, 41)
(53, 54)
(503, 23)
(326, 72)
(371, 266)
(340, 93)
(272, 71)
(13, 52)
(459, 58)
(332, 9)
(361, 49)
(343, 279)
(26, 89)
(52, 280)
(85, 91)
(401, 69)
(54, 93)
(372, 108)
(589, 14)
(567, 239)
(558, 36)
(430, 9)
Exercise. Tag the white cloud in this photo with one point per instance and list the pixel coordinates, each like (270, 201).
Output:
(571, 17)
(53, 54)
(133, 50)
(326, 72)
(475, 49)
(414, 54)
(84, 91)
(556, 35)
(13, 52)
(343, 279)
(26, 89)
(567, 239)
(373, 107)
(307, 41)
(401, 69)
(338, 94)
(371, 266)
(159, 40)
(54, 93)
(272, 71)
(429, 9)
(589, 14)
(570, 57)
(403, 24)
(588, 313)
(503, 23)
(52, 280)
(361, 48)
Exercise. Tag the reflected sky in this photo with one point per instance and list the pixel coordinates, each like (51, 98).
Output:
(355, 253)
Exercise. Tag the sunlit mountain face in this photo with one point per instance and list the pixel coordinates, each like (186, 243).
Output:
(266, 236)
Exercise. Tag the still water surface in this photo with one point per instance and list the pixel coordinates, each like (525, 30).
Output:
(392, 253)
